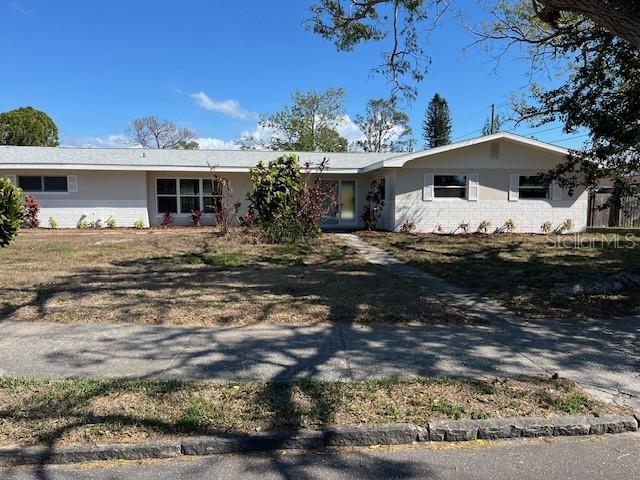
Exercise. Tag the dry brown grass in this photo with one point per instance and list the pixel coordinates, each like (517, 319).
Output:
(104, 411)
(194, 276)
(525, 272)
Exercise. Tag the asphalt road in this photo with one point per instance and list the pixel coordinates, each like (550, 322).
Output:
(586, 458)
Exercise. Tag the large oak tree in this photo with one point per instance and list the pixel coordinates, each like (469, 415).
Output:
(593, 43)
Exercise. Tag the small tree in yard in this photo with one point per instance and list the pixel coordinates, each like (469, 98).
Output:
(32, 209)
(224, 208)
(11, 211)
(375, 204)
(288, 205)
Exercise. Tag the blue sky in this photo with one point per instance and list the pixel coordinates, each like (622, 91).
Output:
(213, 65)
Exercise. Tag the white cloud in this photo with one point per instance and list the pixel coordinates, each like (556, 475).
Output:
(231, 108)
(348, 129)
(17, 7)
(208, 143)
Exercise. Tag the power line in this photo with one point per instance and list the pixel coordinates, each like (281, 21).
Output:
(474, 115)
(568, 138)
(467, 134)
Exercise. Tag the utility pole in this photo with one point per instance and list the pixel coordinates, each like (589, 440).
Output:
(493, 116)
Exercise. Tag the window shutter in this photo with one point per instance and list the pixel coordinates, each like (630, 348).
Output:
(556, 191)
(427, 189)
(13, 179)
(473, 187)
(72, 183)
(514, 188)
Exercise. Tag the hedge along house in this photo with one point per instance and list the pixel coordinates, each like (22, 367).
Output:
(490, 178)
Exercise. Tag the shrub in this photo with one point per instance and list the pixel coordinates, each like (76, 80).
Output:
(375, 204)
(224, 209)
(111, 222)
(546, 227)
(53, 223)
(82, 224)
(464, 228)
(567, 225)
(167, 220)
(32, 209)
(196, 217)
(11, 211)
(408, 226)
(483, 226)
(139, 224)
(286, 205)
(509, 226)
(439, 228)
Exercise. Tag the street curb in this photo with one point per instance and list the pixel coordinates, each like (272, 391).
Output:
(339, 436)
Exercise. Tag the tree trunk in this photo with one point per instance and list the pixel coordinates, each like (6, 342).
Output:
(620, 17)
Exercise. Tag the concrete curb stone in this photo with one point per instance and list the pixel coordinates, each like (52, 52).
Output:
(58, 455)
(209, 445)
(338, 436)
(392, 434)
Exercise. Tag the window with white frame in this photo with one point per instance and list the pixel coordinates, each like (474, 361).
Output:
(450, 186)
(181, 195)
(40, 183)
(167, 193)
(189, 195)
(532, 186)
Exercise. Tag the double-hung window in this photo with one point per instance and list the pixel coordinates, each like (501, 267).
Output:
(450, 186)
(167, 192)
(189, 194)
(532, 187)
(181, 195)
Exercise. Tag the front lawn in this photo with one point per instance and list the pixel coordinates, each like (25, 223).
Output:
(111, 411)
(194, 276)
(533, 275)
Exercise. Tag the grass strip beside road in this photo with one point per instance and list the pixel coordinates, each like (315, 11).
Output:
(64, 412)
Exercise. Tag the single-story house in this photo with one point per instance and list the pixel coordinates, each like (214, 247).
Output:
(490, 178)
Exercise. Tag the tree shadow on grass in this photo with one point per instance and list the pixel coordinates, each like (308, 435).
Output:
(525, 273)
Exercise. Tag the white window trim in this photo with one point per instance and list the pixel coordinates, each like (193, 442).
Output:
(451, 199)
(43, 192)
(177, 196)
(534, 187)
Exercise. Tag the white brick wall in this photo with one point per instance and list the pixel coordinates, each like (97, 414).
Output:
(528, 215)
(68, 217)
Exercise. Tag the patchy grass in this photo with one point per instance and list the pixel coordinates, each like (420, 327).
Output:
(195, 276)
(526, 272)
(77, 410)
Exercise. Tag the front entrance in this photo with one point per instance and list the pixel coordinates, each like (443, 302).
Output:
(343, 212)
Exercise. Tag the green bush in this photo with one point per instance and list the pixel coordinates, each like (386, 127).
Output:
(11, 211)
(286, 204)
(53, 223)
(139, 224)
(111, 222)
(82, 224)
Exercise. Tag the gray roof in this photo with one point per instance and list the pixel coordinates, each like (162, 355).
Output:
(225, 160)
(148, 159)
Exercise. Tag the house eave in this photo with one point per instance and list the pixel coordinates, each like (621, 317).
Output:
(149, 168)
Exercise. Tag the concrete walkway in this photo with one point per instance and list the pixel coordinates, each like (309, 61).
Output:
(470, 303)
(602, 356)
